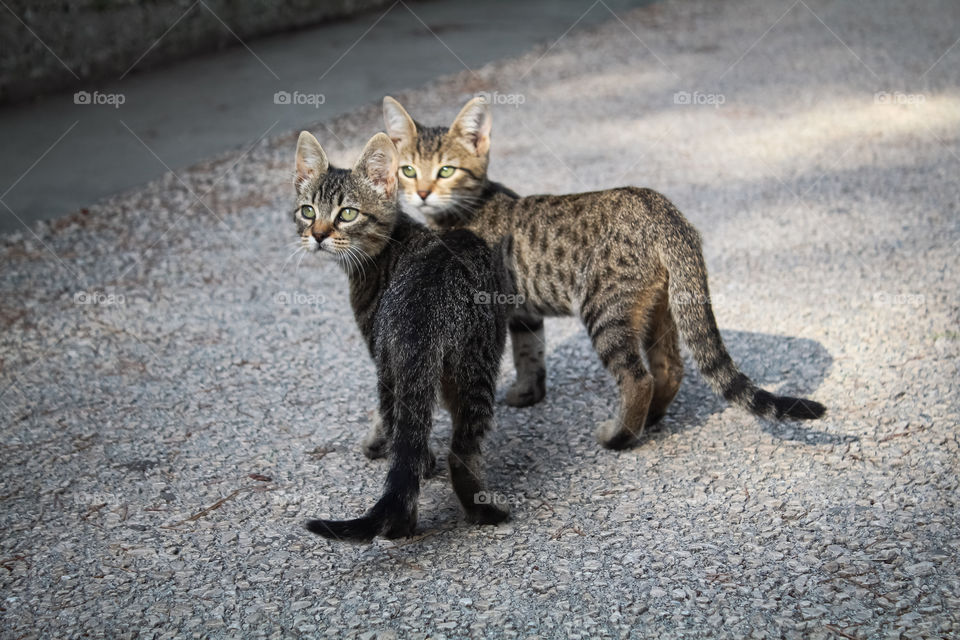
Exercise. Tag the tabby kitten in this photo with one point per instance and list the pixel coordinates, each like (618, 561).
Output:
(413, 296)
(625, 260)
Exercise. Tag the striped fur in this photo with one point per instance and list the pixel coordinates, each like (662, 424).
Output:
(413, 294)
(626, 260)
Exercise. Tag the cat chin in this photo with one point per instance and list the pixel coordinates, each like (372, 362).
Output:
(323, 247)
(414, 212)
(425, 213)
(328, 254)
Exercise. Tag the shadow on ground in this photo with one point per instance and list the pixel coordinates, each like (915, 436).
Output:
(531, 448)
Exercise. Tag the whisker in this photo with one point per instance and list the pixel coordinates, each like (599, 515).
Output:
(383, 236)
(290, 257)
(352, 251)
(343, 258)
(365, 256)
(356, 261)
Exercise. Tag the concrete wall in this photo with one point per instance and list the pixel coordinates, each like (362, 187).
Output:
(101, 39)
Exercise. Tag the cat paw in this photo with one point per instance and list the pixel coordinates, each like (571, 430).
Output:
(528, 392)
(487, 514)
(402, 527)
(653, 419)
(374, 446)
(611, 436)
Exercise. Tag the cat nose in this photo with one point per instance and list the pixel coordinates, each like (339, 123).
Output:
(423, 195)
(320, 234)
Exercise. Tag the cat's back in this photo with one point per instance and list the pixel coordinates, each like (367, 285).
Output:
(435, 269)
(431, 300)
(589, 215)
(416, 247)
(444, 261)
(586, 202)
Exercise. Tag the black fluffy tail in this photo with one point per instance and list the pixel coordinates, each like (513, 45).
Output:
(406, 401)
(681, 253)
(393, 516)
(363, 529)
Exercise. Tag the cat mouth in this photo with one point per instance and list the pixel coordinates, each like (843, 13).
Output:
(313, 246)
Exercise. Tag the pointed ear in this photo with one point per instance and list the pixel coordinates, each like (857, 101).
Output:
(311, 160)
(400, 126)
(472, 125)
(378, 163)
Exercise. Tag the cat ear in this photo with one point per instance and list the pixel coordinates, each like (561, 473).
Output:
(472, 125)
(400, 126)
(379, 163)
(311, 160)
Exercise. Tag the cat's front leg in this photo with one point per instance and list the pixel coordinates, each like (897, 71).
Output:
(527, 339)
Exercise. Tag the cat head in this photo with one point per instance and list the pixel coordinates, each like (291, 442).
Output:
(347, 213)
(443, 170)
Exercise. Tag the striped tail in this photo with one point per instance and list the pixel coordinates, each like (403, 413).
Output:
(680, 251)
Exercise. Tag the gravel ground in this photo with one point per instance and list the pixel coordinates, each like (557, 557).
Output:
(177, 399)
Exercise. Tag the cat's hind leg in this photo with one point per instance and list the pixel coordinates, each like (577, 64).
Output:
(407, 415)
(528, 344)
(663, 355)
(615, 320)
(376, 443)
(470, 400)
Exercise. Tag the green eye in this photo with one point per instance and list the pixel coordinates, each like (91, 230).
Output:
(408, 171)
(446, 172)
(348, 215)
(307, 212)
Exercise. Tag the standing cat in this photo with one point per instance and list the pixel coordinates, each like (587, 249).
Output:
(413, 294)
(625, 259)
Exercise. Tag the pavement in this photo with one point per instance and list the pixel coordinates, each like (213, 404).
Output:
(178, 398)
(120, 133)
